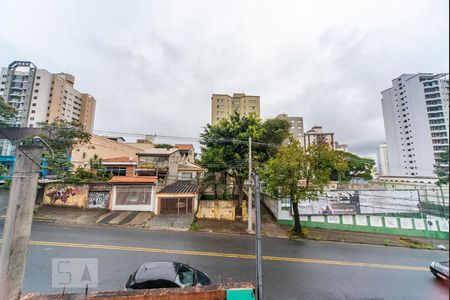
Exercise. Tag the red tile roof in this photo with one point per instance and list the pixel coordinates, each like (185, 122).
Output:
(134, 179)
(123, 159)
(184, 146)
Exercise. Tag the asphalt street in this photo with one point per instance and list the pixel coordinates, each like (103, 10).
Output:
(292, 269)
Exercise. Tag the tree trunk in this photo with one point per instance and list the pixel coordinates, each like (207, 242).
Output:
(240, 191)
(297, 225)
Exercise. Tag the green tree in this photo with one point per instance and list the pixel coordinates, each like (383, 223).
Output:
(94, 172)
(352, 166)
(3, 169)
(6, 112)
(300, 174)
(441, 168)
(225, 147)
(61, 136)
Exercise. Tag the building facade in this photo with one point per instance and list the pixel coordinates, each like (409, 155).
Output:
(382, 160)
(41, 96)
(296, 128)
(415, 112)
(223, 106)
(316, 135)
(340, 147)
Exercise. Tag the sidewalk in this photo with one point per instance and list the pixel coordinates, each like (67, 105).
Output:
(319, 234)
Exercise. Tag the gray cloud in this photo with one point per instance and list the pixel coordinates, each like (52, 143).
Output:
(153, 65)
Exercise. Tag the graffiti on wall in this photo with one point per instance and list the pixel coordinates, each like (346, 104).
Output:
(66, 195)
(98, 199)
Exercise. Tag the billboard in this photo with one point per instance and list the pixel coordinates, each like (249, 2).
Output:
(362, 202)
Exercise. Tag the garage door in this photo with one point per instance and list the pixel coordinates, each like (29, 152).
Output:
(176, 206)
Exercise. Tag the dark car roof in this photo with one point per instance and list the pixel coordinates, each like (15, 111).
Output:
(163, 270)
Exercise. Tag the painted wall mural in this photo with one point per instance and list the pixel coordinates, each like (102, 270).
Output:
(66, 195)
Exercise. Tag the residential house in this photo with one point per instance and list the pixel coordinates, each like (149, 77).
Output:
(120, 166)
(133, 193)
(103, 147)
(187, 152)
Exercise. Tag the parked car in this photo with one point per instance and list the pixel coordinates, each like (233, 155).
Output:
(155, 275)
(440, 269)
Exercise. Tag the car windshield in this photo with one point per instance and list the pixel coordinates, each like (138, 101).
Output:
(185, 276)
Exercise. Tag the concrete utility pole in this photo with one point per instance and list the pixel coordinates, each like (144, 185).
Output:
(259, 275)
(16, 232)
(249, 202)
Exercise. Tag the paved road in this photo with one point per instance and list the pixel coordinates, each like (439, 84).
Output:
(292, 269)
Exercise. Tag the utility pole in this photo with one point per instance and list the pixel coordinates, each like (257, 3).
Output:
(249, 202)
(16, 232)
(259, 275)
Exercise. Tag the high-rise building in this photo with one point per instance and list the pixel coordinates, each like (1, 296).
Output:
(223, 106)
(382, 160)
(41, 96)
(316, 135)
(415, 111)
(296, 128)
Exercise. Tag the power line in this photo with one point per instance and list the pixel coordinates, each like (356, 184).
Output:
(18, 148)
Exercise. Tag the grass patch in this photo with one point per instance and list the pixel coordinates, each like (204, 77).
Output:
(387, 242)
(302, 235)
(194, 226)
(414, 244)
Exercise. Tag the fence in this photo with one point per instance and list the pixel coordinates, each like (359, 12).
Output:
(397, 212)
(437, 228)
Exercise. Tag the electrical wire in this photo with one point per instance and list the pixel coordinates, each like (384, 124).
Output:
(18, 148)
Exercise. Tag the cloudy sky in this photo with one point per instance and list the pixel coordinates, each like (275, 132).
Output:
(153, 65)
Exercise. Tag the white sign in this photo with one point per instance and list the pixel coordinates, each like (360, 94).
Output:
(391, 222)
(375, 221)
(320, 219)
(361, 220)
(74, 272)
(303, 218)
(333, 219)
(406, 223)
(443, 225)
(347, 220)
(419, 224)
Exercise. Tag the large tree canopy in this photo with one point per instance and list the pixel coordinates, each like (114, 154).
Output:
(225, 146)
(300, 174)
(354, 167)
(61, 136)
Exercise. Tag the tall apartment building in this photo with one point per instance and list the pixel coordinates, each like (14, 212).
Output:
(316, 135)
(41, 96)
(223, 106)
(382, 160)
(415, 111)
(296, 129)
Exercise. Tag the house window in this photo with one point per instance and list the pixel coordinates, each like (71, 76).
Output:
(186, 175)
(117, 171)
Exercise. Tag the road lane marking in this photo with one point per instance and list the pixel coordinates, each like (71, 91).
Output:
(228, 255)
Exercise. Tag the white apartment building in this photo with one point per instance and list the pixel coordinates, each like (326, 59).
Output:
(41, 96)
(416, 113)
(382, 160)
